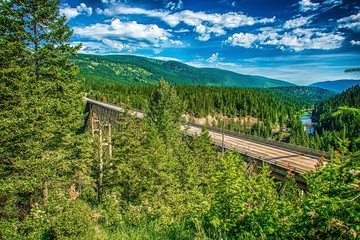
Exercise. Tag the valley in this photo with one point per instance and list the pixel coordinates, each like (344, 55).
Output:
(121, 166)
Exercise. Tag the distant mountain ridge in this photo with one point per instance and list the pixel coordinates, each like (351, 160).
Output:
(337, 85)
(129, 69)
(308, 94)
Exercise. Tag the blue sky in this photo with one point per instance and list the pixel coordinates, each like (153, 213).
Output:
(300, 41)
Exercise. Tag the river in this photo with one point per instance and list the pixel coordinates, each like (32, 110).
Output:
(306, 121)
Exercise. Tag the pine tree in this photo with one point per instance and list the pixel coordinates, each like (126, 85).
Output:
(165, 113)
(331, 207)
(43, 157)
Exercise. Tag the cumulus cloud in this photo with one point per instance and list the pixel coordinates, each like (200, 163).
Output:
(356, 43)
(70, 12)
(297, 22)
(214, 57)
(245, 40)
(174, 6)
(204, 24)
(307, 5)
(351, 22)
(176, 42)
(118, 46)
(127, 35)
(298, 39)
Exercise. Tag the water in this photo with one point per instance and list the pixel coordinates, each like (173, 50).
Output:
(306, 121)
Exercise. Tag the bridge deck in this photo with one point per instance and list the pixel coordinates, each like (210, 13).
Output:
(276, 157)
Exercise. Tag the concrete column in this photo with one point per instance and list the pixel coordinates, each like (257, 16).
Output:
(101, 163)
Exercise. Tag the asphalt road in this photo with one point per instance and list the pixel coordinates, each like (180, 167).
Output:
(283, 158)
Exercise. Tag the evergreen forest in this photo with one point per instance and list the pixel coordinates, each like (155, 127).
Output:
(159, 183)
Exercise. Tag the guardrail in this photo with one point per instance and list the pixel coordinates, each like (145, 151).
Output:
(269, 142)
(263, 159)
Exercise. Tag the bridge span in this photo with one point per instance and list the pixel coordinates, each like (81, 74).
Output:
(280, 157)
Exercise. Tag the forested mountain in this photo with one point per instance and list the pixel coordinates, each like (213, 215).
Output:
(338, 119)
(159, 183)
(336, 86)
(130, 69)
(309, 95)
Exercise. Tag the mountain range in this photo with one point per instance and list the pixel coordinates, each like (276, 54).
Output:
(129, 69)
(137, 70)
(337, 85)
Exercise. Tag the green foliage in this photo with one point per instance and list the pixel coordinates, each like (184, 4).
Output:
(339, 119)
(349, 70)
(307, 95)
(244, 205)
(332, 208)
(165, 112)
(42, 153)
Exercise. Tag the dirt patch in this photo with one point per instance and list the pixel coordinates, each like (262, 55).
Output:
(214, 120)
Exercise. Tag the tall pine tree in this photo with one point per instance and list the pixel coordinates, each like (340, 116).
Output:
(43, 157)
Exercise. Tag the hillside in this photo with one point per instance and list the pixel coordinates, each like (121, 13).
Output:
(307, 94)
(338, 119)
(337, 85)
(137, 70)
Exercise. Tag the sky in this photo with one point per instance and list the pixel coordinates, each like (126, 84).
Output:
(299, 41)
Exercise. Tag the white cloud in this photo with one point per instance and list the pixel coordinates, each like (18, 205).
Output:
(242, 40)
(70, 12)
(297, 22)
(163, 58)
(124, 31)
(298, 39)
(204, 24)
(214, 57)
(118, 46)
(99, 11)
(176, 42)
(128, 35)
(351, 22)
(333, 3)
(108, 1)
(92, 47)
(174, 6)
(307, 5)
(353, 42)
(83, 9)
(182, 30)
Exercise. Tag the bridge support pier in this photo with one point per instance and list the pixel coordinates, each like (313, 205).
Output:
(105, 146)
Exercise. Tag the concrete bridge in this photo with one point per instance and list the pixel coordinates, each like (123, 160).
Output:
(280, 157)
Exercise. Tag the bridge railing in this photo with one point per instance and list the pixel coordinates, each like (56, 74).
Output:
(263, 159)
(265, 141)
(269, 142)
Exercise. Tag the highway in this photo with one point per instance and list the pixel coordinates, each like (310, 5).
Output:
(269, 154)
(275, 156)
